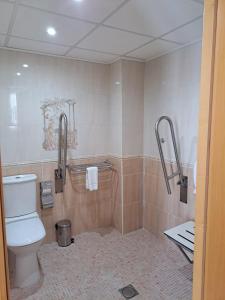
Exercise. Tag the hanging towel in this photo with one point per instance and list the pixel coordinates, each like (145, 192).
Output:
(92, 178)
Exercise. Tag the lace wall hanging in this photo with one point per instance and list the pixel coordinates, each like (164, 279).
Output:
(51, 110)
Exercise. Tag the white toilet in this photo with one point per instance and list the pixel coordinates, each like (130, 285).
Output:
(24, 229)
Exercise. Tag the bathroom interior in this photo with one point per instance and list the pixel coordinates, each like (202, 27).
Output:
(99, 103)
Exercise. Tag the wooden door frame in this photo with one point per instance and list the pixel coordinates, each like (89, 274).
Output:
(204, 135)
(204, 139)
(214, 258)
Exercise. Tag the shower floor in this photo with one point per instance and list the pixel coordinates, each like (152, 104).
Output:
(98, 264)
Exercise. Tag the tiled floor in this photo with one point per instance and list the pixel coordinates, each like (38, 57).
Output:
(97, 265)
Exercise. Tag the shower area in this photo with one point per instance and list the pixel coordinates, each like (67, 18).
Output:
(61, 117)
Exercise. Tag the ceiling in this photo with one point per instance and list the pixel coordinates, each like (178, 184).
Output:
(100, 30)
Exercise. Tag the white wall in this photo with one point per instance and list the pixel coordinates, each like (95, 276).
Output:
(133, 107)
(172, 85)
(126, 108)
(109, 116)
(115, 137)
(49, 77)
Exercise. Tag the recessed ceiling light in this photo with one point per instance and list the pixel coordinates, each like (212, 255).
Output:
(25, 65)
(51, 31)
(117, 83)
(78, 0)
(18, 73)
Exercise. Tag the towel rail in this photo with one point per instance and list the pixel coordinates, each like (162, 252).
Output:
(182, 179)
(81, 169)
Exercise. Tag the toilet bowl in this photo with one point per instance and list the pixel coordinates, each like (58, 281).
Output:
(24, 229)
(24, 238)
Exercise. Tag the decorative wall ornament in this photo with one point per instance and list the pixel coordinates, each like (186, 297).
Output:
(51, 110)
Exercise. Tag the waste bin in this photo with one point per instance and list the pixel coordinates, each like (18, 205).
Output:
(63, 233)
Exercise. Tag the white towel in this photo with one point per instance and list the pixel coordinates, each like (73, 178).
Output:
(92, 178)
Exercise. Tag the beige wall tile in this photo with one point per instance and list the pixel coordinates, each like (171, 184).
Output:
(132, 215)
(162, 211)
(119, 199)
(85, 217)
(117, 217)
(132, 165)
(86, 210)
(104, 213)
(132, 188)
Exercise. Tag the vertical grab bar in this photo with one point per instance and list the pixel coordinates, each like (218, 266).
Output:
(60, 173)
(62, 144)
(159, 141)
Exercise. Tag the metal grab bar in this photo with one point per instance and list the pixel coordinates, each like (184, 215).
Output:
(60, 173)
(62, 160)
(159, 142)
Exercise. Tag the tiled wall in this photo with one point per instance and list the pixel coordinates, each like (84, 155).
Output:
(109, 99)
(172, 89)
(132, 193)
(126, 108)
(132, 108)
(112, 105)
(115, 108)
(172, 85)
(46, 78)
(128, 205)
(87, 210)
(163, 211)
(117, 202)
(127, 117)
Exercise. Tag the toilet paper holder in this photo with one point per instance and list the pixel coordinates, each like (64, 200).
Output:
(46, 194)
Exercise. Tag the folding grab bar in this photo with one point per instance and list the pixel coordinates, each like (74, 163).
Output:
(60, 173)
(182, 178)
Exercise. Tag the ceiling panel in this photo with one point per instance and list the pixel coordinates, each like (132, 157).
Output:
(153, 49)
(113, 41)
(150, 18)
(186, 34)
(2, 40)
(155, 17)
(36, 46)
(91, 55)
(32, 24)
(92, 10)
(5, 15)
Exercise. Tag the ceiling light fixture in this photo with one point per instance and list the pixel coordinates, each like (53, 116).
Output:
(25, 65)
(51, 31)
(18, 73)
(78, 0)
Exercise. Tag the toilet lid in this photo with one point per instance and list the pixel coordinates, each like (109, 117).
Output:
(24, 232)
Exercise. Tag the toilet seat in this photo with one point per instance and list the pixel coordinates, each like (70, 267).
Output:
(24, 230)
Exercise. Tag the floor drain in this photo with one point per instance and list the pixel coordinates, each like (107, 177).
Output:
(128, 291)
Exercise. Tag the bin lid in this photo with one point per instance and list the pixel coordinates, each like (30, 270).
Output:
(64, 223)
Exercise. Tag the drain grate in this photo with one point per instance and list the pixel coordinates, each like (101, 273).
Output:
(128, 291)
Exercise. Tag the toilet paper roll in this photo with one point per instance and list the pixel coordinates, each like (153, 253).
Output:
(46, 191)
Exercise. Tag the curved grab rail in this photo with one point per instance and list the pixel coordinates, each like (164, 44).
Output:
(159, 142)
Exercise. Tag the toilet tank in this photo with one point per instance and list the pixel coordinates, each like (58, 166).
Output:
(19, 195)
